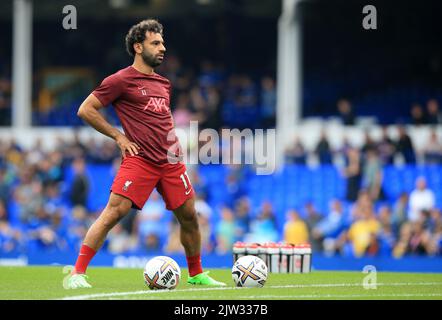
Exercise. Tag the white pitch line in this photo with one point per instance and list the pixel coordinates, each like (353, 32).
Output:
(298, 286)
(331, 296)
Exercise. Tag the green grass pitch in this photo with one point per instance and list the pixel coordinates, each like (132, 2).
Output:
(112, 283)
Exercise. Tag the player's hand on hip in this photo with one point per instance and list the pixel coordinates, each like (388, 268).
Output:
(127, 146)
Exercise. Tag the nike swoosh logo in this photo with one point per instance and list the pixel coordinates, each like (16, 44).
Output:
(141, 88)
(187, 192)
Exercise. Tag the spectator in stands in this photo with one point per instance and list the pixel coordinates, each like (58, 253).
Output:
(243, 212)
(207, 240)
(105, 152)
(345, 146)
(401, 246)
(225, 231)
(92, 151)
(78, 224)
(362, 234)
(11, 239)
(76, 148)
(53, 201)
(414, 239)
(435, 222)
(151, 242)
(373, 175)
(119, 241)
(4, 185)
(263, 228)
(296, 154)
(182, 114)
(35, 155)
(434, 115)
(201, 205)
(28, 194)
(247, 94)
(14, 154)
(385, 216)
(44, 233)
(369, 143)
(312, 218)
(210, 74)
(58, 224)
(295, 229)
(417, 115)
(331, 225)
(62, 147)
(432, 151)
(421, 198)
(56, 171)
(128, 222)
(205, 104)
(51, 225)
(3, 212)
(346, 112)
(399, 216)
(42, 173)
(386, 237)
(436, 230)
(386, 148)
(204, 214)
(80, 184)
(268, 102)
(232, 88)
(150, 220)
(199, 184)
(233, 184)
(425, 218)
(404, 146)
(323, 150)
(353, 174)
(362, 204)
(173, 244)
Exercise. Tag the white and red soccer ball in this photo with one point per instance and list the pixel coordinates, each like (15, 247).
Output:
(250, 272)
(162, 273)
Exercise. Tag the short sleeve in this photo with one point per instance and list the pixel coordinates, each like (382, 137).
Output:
(109, 90)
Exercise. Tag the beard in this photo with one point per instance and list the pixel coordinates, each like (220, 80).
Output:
(150, 59)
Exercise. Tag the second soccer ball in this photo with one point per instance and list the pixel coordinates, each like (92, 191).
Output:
(249, 271)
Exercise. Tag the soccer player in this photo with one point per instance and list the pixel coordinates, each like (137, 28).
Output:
(149, 148)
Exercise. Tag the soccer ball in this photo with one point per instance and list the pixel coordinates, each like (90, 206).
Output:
(162, 273)
(249, 271)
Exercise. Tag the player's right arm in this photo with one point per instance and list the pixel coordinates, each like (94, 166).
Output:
(89, 112)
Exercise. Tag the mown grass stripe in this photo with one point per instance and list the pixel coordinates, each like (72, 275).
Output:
(300, 286)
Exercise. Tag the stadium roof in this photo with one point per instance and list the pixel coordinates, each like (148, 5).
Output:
(124, 9)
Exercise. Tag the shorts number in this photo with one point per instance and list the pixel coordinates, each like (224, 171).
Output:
(185, 181)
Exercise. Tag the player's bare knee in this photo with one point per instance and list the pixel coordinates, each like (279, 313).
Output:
(114, 213)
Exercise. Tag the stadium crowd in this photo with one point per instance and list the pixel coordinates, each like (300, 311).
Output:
(40, 209)
(216, 97)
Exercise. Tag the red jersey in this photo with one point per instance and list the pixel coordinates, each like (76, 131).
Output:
(142, 103)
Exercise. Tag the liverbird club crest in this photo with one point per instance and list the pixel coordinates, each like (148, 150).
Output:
(127, 185)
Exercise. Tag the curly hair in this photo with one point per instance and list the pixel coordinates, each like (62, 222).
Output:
(137, 33)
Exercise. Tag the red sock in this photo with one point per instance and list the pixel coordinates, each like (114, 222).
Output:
(194, 265)
(84, 257)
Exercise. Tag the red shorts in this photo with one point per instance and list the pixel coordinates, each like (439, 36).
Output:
(137, 178)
